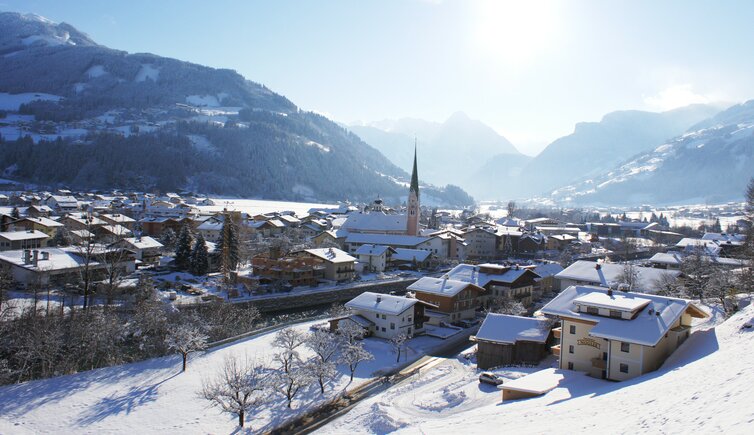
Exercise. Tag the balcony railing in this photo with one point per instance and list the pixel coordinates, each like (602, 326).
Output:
(555, 350)
(557, 331)
(599, 363)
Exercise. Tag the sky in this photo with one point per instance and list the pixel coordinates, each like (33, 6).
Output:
(529, 69)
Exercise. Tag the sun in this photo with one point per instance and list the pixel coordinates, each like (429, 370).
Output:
(512, 32)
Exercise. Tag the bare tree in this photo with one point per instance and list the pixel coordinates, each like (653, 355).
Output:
(237, 389)
(288, 340)
(321, 371)
(354, 354)
(186, 338)
(350, 331)
(629, 276)
(506, 305)
(291, 380)
(511, 208)
(325, 346)
(398, 342)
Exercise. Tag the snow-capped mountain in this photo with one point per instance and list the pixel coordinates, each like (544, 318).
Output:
(149, 122)
(712, 162)
(450, 152)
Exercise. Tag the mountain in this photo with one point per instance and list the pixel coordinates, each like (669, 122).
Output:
(449, 151)
(713, 162)
(595, 147)
(82, 115)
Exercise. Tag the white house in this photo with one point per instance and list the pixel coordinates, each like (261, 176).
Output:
(374, 258)
(648, 279)
(388, 315)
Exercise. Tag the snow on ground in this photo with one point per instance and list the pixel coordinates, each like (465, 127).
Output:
(12, 102)
(703, 387)
(203, 100)
(95, 71)
(155, 397)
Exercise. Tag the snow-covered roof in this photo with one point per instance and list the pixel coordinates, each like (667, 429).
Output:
(118, 230)
(43, 221)
(690, 241)
(59, 259)
(440, 286)
(504, 328)
(646, 328)
(333, 255)
(23, 235)
(385, 239)
(548, 269)
(538, 382)
(372, 250)
(375, 221)
(725, 237)
(616, 301)
(120, 218)
(404, 254)
(470, 273)
(143, 242)
(379, 303)
(210, 225)
(605, 274)
(669, 258)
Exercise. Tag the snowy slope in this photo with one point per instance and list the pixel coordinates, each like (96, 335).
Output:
(703, 388)
(712, 163)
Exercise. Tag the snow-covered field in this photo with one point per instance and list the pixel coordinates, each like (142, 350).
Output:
(155, 397)
(703, 388)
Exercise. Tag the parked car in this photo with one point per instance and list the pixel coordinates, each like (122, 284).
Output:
(490, 378)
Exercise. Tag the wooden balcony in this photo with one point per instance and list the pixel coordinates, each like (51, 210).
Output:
(555, 350)
(599, 363)
(557, 331)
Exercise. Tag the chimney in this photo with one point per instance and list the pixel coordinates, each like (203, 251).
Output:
(597, 266)
(379, 299)
(610, 292)
(35, 257)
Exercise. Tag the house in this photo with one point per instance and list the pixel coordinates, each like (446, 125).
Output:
(413, 259)
(547, 282)
(374, 258)
(81, 221)
(292, 270)
(30, 239)
(339, 266)
(455, 300)
(62, 203)
(39, 211)
(386, 316)
(481, 243)
(112, 233)
(47, 226)
(53, 265)
(211, 229)
(513, 282)
(354, 240)
(531, 243)
(145, 249)
(618, 335)
(647, 279)
(504, 340)
(119, 219)
(674, 260)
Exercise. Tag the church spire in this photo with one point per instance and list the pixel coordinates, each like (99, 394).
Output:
(415, 175)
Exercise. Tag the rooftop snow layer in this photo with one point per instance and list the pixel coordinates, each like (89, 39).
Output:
(504, 328)
(379, 303)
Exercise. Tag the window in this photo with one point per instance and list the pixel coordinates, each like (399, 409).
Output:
(624, 368)
(383, 329)
(409, 319)
(592, 310)
(570, 349)
(383, 317)
(392, 325)
(572, 329)
(377, 315)
(625, 347)
(570, 365)
(615, 314)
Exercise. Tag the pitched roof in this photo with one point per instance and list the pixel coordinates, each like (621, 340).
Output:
(647, 328)
(372, 250)
(23, 235)
(403, 254)
(471, 274)
(503, 328)
(333, 255)
(374, 221)
(610, 273)
(385, 239)
(441, 286)
(379, 303)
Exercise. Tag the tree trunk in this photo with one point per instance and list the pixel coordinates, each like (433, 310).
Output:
(240, 418)
(185, 357)
(352, 370)
(321, 386)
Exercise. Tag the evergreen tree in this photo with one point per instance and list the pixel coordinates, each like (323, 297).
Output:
(168, 239)
(199, 257)
(15, 214)
(228, 243)
(716, 227)
(183, 249)
(654, 218)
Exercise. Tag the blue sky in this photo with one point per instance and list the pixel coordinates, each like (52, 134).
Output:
(529, 69)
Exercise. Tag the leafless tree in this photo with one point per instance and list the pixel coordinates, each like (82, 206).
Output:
(237, 389)
(185, 338)
(290, 381)
(350, 331)
(321, 371)
(288, 340)
(629, 276)
(506, 305)
(353, 355)
(398, 342)
(325, 346)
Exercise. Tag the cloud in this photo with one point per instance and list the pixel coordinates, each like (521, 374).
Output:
(676, 96)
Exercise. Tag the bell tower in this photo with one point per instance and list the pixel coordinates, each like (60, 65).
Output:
(413, 211)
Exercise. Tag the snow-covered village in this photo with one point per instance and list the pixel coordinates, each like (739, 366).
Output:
(184, 250)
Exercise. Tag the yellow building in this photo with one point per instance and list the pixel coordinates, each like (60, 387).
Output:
(618, 335)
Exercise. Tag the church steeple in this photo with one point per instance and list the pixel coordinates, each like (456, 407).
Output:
(414, 175)
(413, 210)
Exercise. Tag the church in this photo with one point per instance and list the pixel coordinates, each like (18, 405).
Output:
(376, 221)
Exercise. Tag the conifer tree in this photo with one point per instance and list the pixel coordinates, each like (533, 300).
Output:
(199, 257)
(183, 249)
(227, 245)
(15, 214)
